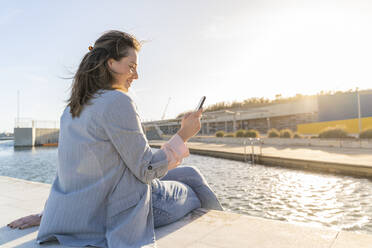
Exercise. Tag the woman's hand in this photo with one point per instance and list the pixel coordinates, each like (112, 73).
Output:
(25, 222)
(190, 125)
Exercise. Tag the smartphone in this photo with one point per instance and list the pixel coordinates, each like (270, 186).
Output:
(200, 105)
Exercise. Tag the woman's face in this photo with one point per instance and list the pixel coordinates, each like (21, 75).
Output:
(124, 70)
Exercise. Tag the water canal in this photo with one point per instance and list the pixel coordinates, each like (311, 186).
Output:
(325, 200)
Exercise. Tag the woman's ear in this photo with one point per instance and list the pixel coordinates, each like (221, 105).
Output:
(109, 62)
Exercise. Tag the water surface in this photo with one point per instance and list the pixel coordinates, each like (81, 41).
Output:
(325, 200)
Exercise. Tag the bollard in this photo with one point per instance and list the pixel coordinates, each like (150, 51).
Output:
(260, 142)
(252, 146)
(245, 150)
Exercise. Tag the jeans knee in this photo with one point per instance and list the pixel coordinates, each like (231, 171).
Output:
(194, 173)
(193, 170)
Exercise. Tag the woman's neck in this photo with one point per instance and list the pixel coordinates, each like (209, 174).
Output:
(120, 88)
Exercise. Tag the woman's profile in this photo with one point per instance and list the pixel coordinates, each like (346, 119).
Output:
(111, 189)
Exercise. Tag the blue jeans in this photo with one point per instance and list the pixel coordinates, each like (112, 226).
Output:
(180, 191)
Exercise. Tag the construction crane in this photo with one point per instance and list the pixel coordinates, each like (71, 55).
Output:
(165, 109)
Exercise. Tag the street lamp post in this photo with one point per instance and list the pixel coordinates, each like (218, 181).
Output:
(359, 112)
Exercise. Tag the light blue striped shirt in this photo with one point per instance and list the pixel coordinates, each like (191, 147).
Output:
(101, 194)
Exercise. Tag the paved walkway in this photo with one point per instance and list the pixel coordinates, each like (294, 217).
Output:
(199, 229)
(352, 156)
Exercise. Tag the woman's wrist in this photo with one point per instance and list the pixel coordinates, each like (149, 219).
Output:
(182, 135)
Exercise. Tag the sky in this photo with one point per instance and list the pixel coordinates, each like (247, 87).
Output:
(226, 50)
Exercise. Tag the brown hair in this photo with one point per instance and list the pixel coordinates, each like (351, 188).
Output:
(93, 73)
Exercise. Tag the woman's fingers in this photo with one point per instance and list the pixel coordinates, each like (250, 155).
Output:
(187, 115)
(196, 113)
(199, 112)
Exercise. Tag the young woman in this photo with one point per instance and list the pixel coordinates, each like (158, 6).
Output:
(111, 188)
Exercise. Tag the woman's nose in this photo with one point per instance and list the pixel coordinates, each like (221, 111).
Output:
(135, 74)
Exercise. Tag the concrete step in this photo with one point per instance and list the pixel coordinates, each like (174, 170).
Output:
(200, 229)
(353, 162)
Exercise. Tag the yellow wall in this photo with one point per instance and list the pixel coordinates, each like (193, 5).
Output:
(351, 125)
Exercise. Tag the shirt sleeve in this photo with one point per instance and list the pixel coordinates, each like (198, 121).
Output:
(176, 150)
(122, 125)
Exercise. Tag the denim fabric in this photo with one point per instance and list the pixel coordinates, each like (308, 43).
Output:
(180, 191)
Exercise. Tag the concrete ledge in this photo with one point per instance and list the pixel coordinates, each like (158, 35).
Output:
(28, 137)
(322, 166)
(341, 143)
(201, 228)
(316, 163)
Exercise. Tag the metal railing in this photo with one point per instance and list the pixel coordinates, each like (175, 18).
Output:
(252, 142)
(30, 123)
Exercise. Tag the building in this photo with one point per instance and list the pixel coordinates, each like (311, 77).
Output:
(351, 110)
(28, 132)
(307, 116)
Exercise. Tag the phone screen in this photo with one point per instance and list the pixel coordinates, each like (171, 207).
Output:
(200, 105)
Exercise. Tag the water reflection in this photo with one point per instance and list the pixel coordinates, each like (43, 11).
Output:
(338, 202)
(23, 149)
(35, 164)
